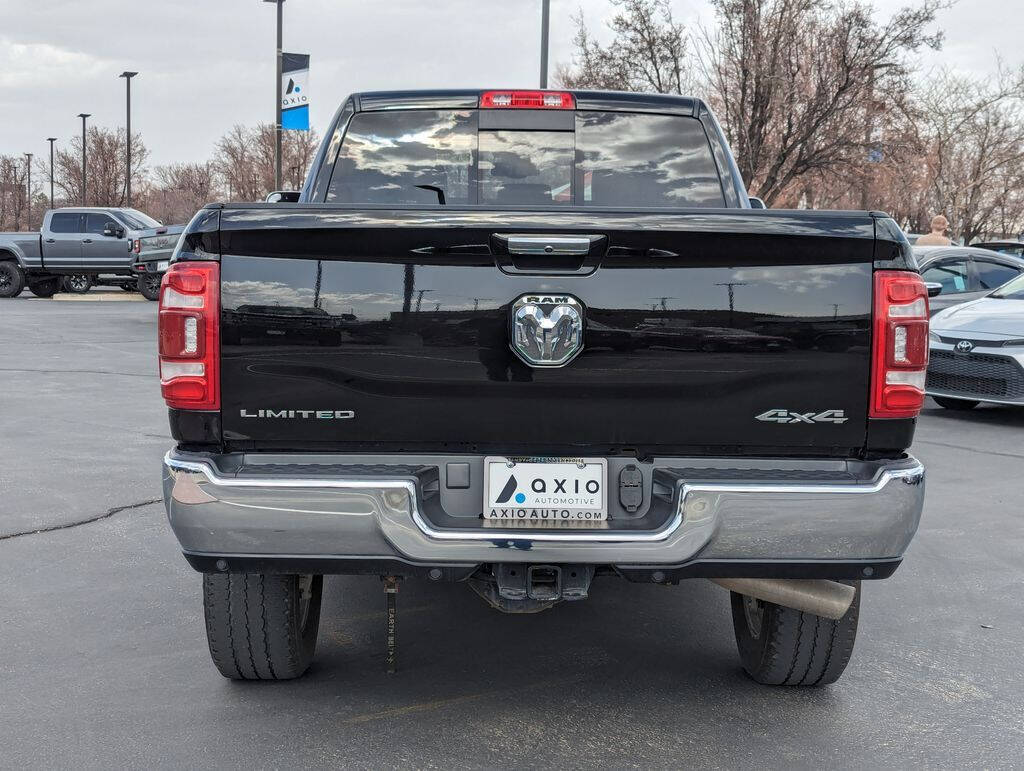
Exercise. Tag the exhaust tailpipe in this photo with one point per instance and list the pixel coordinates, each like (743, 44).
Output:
(830, 599)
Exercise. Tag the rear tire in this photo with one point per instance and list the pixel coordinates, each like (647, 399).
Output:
(782, 646)
(77, 284)
(955, 404)
(261, 626)
(149, 285)
(12, 279)
(47, 288)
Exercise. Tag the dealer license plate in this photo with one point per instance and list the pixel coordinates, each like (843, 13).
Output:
(545, 490)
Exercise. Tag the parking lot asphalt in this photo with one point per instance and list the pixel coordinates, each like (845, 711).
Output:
(103, 659)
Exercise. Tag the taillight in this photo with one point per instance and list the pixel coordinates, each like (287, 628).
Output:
(900, 345)
(527, 100)
(137, 245)
(189, 339)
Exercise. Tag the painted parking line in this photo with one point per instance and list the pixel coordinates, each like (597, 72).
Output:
(111, 297)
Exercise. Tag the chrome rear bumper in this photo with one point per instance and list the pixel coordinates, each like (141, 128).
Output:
(219, 507)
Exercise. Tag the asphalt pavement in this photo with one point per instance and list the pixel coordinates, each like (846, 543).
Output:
(103, 659)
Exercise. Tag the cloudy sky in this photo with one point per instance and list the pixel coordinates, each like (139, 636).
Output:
(206, 64)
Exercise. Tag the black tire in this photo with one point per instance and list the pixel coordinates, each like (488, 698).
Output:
(12, 279)
(955, 404)
(782, 646)
(47, 288)
(148, 285)
(261, 626)
(77, 284)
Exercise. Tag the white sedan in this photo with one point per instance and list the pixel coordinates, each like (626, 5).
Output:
(977, 350)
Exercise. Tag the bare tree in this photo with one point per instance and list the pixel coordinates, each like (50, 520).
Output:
(179, 189)
(974, 134)
(106, 167)
(13, 193)
(647, 52)
(968, 161)
(245, 158)
(802, 86)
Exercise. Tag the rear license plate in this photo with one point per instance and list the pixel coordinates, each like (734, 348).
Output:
(545, 490)
(162, 265)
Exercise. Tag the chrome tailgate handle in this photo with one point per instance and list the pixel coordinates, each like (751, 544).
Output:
(534, 244)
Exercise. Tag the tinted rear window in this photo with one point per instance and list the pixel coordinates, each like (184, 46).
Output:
(629, 159)
(993, 274)
(65, 222)
(397, 157)
(610, 159)
(526, 168)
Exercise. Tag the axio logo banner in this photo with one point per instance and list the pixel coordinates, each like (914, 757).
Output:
(295, 92)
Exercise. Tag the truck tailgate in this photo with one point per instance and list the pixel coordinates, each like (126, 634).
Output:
(703, 332)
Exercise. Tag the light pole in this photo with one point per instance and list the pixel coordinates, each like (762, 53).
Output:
(51, 140)
(545, 17)
(128, 135)
(28, 168)
(731, 286)
(83, 116)
(277, 91)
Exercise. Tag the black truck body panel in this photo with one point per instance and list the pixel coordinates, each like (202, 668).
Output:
(696, 323)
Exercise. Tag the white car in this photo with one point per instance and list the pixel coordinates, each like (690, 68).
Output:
(977, 350)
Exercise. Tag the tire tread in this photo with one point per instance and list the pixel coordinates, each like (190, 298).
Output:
(252, 628)
(791, 651)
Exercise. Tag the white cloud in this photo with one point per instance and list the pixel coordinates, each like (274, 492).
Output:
(39, 66)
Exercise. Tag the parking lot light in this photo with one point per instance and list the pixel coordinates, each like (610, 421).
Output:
(127, 75)
(51, 140)
(83, 116)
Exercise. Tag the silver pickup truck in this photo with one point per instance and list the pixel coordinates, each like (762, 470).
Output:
(75, 246)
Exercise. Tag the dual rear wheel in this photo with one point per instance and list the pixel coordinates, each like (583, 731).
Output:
(261, 626)
(783, 646)
(264, 627)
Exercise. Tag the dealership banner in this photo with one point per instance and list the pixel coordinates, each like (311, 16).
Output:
(294, 92)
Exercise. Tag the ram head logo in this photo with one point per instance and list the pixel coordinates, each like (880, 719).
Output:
(547, 330)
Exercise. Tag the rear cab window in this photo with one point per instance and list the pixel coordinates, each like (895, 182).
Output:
(469, 157)
(65, 222)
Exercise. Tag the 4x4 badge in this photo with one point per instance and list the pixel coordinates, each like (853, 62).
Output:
(788, 416)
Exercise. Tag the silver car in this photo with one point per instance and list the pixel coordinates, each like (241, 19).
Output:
(977, 350)
(964, 272)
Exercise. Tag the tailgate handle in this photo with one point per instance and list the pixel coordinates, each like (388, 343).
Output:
(548, 254)
(540, 245)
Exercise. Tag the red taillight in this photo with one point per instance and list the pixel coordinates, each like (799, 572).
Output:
(527, 100)
(188, 333)
(900, 345)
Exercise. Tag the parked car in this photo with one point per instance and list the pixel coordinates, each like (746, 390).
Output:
(977, 350)
(152, 249)
(1005, 247)
(75, 248)
(964, 272)
(508, 449)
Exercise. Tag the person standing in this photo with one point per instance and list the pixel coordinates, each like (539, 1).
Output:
(938, 235)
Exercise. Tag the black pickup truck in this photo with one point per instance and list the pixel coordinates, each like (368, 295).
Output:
(523, 340)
